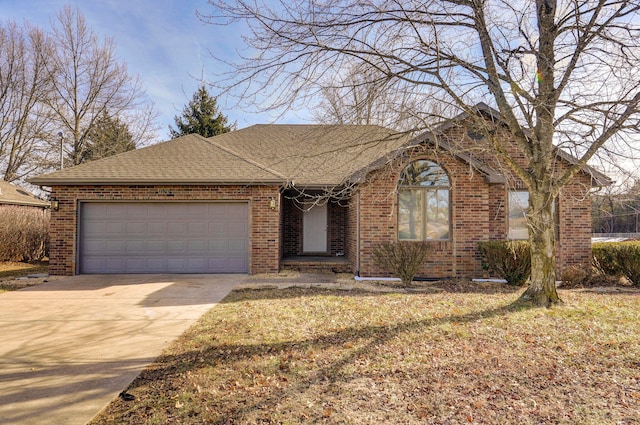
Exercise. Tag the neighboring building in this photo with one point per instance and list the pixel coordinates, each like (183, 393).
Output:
(11, 194)
(312, 196)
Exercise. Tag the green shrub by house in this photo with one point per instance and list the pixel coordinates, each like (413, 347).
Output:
(24, 233)
(618, 259)
(511, 260)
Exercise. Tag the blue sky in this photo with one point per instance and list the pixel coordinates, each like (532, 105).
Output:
(162, 41)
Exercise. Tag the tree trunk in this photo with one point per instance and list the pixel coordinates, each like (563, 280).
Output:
(542, 286)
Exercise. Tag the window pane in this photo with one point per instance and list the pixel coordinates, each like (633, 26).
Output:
(437, 214)
(518, 209)
(424, 173)
(410, 216)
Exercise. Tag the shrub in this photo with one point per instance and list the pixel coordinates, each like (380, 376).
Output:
(511, 260)
(576, 276)
(618, 259)
(24, 233)
(402, 258)
(604, 258)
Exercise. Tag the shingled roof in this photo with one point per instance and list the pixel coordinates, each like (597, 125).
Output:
(11, 194)
(304, 155)
(190, 159)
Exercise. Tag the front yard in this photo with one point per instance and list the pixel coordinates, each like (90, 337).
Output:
(10, 272)
(448, 355)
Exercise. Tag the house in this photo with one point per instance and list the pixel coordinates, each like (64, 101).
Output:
(12, 195)
(308, 196)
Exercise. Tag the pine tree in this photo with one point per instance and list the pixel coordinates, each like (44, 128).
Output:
(201, 116)
(108, 136)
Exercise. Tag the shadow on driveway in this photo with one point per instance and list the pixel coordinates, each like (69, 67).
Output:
(71, 345)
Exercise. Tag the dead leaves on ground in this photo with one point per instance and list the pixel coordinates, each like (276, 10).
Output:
(317, 356)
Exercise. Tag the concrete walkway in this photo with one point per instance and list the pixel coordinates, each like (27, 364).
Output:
(68, 347)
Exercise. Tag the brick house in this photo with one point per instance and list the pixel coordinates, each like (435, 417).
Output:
(305, 196)
(14, 196)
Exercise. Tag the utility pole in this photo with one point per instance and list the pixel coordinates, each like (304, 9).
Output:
(61, 149)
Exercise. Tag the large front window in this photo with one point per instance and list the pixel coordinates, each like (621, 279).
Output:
(518, 209)
(423, 202)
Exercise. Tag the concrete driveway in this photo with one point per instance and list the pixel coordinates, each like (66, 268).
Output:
(70, 346)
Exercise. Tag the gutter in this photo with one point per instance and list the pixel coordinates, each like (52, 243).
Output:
(96, 182)
(358, 234)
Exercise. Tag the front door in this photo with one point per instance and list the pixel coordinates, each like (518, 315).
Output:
(314, 228)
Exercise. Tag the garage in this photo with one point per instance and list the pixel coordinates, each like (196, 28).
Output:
(163, 237)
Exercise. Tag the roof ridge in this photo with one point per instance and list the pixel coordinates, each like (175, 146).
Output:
(210, 141)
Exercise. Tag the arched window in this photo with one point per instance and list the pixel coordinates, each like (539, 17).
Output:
(423, 202)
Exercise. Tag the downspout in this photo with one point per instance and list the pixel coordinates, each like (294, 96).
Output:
(358, 234)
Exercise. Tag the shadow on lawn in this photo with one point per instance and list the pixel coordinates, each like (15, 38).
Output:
(367, 340)
(265, 290)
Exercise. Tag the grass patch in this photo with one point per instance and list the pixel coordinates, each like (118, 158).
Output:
(319, 356)
(10, 270)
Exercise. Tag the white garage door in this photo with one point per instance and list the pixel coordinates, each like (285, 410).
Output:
(170, 237)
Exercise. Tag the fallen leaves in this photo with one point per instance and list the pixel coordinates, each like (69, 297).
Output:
(317, 356)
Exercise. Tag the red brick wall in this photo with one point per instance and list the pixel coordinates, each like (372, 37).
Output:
(478, 212)
(573, 247)
(351, 233)
(291, 228)
(337, 228)
(469, 218)
(264, 226)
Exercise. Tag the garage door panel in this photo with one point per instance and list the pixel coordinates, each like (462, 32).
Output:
(157, 247)
(176, 247)
(237, 245)
(176, 228)
(155, 228)
(237, 228)
(156, 265)
(134, 265)
(113, 228)
(137, 228)
(110, 247)
(159, 212)
(134, 247)
(164, 237)
(238, 211)
(113, 211)
(197, 228)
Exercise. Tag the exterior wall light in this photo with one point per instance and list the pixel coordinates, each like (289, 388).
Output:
(55, 204)
(272, 203)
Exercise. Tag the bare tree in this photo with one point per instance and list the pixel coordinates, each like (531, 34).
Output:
(24, 81)
(88, 82)
(357, 97)
(561, 73)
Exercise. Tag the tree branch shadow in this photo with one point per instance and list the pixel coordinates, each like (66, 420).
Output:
(367, 339)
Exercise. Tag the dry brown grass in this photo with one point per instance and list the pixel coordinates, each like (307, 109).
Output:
(443, 357)
(10, 270)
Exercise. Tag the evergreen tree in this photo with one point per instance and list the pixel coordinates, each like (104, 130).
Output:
(108, 136)
(201, 116)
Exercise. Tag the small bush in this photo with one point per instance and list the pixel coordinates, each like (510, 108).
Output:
(604, 258)
(24, 233)
(402, 258)
(511, 260)
(576, 276)
(618, 259)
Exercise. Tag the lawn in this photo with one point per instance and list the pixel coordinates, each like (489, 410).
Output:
(10, 270)
(443, 356)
